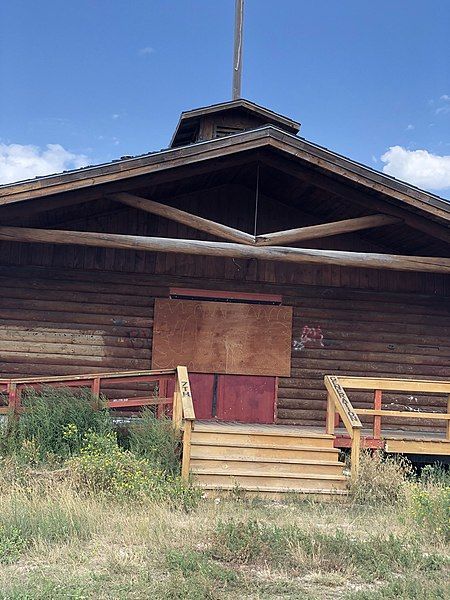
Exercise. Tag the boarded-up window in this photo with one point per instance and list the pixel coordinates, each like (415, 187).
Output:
(216, 337)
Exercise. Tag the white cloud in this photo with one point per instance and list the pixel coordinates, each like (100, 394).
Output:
(445, 98)
(19, 161)
(146, 51)
(419, 167)
(115, 116)
(410, 127)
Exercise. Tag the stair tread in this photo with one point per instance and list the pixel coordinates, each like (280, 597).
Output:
(294, 461)
(226, 444)
(231, 473)
(273, 430)
(286, 490)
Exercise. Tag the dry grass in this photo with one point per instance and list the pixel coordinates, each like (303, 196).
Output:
(76, 546)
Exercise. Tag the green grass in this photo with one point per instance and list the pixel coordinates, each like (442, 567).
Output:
(83, 517)
(59, 543)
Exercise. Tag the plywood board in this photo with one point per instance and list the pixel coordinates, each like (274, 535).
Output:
(219, 337)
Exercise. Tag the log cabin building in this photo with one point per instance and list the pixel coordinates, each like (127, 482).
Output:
(257, 259)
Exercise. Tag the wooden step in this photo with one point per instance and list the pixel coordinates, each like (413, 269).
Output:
(262, 451)
(257, 466)
(292, 482)
(274, 493)
(260, 429)
(256, 439)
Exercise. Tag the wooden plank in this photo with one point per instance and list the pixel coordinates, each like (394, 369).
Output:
(181, 216)
(403, 414)
(186, 459)
(325, 230)
(186, 394)
(440, 448)
(355, 453)
(342, 403)
(216, 337)
(229, 250)
(395, 385)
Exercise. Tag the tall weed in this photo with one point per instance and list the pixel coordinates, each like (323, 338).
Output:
(381, 479)
(156, 441)
(53, 425)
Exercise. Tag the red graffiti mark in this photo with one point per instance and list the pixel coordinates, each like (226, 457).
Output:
(312, 337)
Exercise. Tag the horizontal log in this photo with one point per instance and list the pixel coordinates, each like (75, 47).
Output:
(181, 216)
(229, 250)
(312, 232)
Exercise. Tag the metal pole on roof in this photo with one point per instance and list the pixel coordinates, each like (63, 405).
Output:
(238, 39)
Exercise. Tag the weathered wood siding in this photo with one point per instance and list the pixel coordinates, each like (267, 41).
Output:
(67, 309)
(55, 322)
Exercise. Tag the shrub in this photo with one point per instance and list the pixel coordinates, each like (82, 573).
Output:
(103, 468)
(429, 506)
(54, 424)
(155, 440)
(11, 545)
(381, 479)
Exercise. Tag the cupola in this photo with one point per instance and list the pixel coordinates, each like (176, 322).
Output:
(227, 118)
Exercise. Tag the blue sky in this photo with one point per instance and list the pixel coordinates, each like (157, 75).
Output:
(98, 79)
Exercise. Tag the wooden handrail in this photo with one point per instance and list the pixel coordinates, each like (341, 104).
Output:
(184, 416)
(14, 387)
(85, 377)
(395, 385)
(404, 413)
(339, 402)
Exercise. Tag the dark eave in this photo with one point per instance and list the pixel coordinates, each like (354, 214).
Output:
(265, 137)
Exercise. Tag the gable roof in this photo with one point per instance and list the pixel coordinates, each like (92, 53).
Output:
(296, 148)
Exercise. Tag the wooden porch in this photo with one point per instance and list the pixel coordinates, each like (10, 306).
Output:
(260, 459)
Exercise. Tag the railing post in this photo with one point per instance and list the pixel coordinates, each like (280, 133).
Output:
(355, 453)
(186, 460)
(177, 411)
(331, 411)
(377, 418)
(95, 390)
(448, 422)
(13, 399)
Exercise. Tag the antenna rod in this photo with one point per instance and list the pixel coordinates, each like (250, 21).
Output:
(237, 59)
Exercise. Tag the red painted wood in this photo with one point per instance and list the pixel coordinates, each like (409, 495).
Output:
(202, 388)
(246, 398)
(370, 443)
(377, 418)
(224, 295)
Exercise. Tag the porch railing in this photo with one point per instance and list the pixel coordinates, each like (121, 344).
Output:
(339, 402)
(183, 414)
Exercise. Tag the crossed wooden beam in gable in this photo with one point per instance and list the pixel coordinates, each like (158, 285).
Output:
(240, 244)
(300, 234)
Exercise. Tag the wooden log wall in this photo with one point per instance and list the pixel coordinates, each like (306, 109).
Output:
(68, 309)
(65, 322)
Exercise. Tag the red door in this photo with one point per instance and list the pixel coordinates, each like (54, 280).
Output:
(246, 398)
